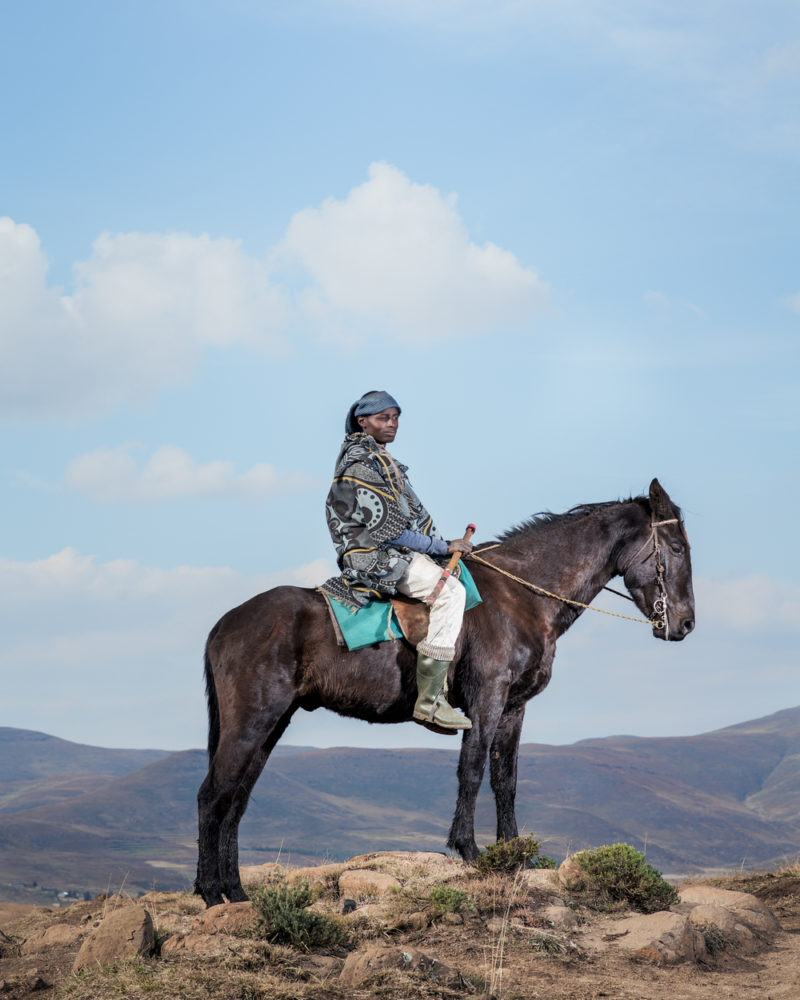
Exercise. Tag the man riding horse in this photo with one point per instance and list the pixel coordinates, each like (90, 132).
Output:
(277, 653)
(384, 541)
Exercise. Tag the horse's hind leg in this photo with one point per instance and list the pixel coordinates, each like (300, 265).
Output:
(503, 769)
(223, 797)
(229, 833)
(234, 768)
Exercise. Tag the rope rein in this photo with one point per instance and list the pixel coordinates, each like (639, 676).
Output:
(659, 609)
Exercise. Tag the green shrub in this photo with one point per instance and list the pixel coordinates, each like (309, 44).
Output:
(446, 899)
(714, 938)
(619, 874)
(508, 856)
(282, 917)
(548, 944)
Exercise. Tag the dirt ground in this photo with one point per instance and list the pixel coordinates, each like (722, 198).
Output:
(772, 974)
(523, 959)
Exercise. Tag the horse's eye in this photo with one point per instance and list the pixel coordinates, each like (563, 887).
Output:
(677, 548)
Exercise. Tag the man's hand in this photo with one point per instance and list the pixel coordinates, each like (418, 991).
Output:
(459, 545)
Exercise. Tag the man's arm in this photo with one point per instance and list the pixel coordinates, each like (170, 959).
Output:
(428, 544)
(418, 542)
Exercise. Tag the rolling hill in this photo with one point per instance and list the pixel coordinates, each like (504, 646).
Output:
(83, 818)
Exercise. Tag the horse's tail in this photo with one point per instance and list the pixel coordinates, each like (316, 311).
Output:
(211, 700)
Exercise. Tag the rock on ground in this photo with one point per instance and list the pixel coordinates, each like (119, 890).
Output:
(210, 931)
(364, 882)
(747, 909)
(570, 874)
(317, 875)
(225, 918)
(124, 933)
(363, 965)
(546, 879)
(734, 934)
(661, 938)
(560, 916)
(417, 857)
(57, 936)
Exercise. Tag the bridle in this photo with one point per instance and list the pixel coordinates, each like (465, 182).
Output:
(660, 617)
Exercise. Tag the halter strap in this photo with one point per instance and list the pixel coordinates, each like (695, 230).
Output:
(652, 537)
(660, 611)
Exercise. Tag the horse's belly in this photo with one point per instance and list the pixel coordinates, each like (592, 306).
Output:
(367, 684)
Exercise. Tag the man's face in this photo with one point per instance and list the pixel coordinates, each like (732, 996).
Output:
(382, 426)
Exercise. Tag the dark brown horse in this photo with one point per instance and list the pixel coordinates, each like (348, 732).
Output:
(277, 653)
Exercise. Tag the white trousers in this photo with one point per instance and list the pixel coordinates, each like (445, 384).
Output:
(447, 613)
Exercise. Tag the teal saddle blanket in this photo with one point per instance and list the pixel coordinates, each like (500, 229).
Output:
(377, 622)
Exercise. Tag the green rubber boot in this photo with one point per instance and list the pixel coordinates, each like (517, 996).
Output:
(431, 706)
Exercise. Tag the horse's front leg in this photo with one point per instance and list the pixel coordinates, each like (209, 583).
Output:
(503, 769)
(471, 765)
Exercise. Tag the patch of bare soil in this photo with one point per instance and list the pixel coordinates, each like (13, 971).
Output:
(419, 927)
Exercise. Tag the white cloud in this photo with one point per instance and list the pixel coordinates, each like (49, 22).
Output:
(116, 590)
(110, 652)
(144, 305)
(393, 254)
(397, 254)
(110, 474)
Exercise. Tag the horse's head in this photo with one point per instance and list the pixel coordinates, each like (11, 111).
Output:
(658, 570)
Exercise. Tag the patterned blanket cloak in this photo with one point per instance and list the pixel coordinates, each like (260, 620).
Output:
(370, 503)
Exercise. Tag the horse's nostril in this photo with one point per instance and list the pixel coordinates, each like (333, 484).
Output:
(688, 625)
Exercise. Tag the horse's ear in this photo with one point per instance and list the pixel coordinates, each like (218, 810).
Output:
(660, 503)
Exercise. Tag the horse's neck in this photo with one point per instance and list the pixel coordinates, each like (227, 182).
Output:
(575, 558)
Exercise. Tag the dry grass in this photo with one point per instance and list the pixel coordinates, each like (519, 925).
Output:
(507, 893)
(276, 975)
(191, 981)
(499, 941)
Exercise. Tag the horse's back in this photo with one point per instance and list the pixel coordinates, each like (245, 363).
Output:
(285, 609)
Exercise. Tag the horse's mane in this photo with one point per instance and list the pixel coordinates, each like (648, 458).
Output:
(546, 519)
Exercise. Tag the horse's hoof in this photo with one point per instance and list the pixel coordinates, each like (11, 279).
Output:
(237, 895)
(469, 854)
(212, 898)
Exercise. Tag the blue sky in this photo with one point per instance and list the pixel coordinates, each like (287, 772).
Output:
(562, 234)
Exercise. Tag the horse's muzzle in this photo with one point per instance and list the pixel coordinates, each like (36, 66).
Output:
(676, 632)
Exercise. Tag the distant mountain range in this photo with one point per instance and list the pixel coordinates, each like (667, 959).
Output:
(85, 819)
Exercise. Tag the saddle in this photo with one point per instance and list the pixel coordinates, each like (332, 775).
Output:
(379, 621)
(386, 620)
(412, 616)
